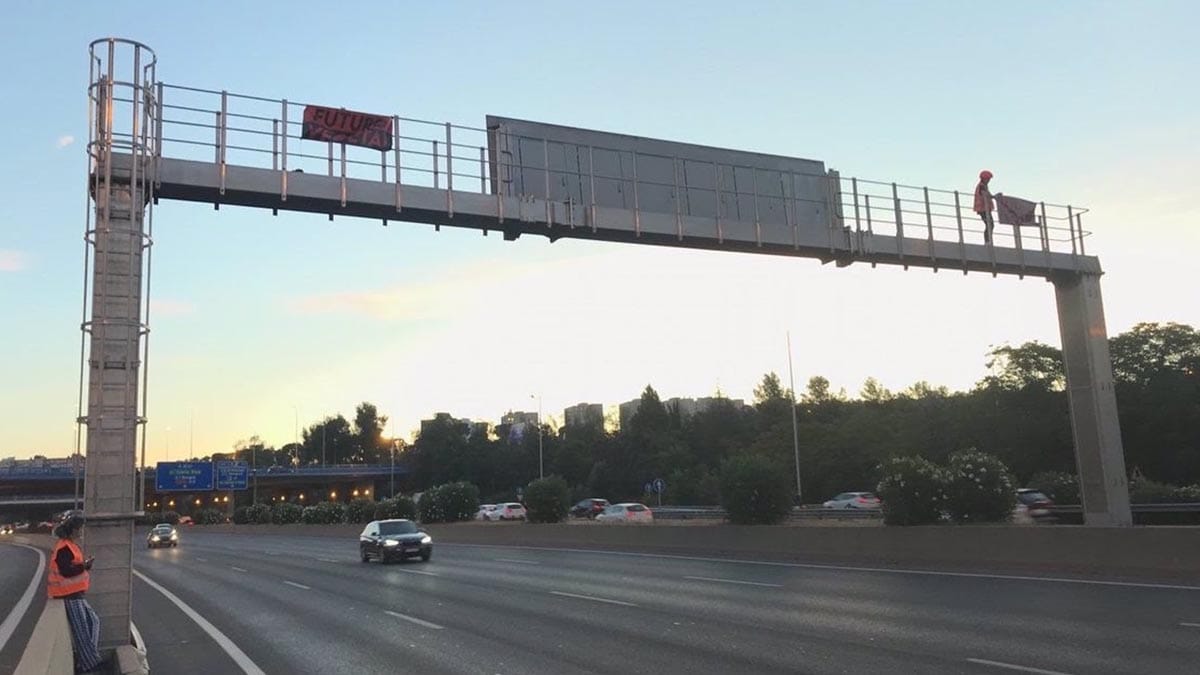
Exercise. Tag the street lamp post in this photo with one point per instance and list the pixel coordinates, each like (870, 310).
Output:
(392, 475)
(254, 464)
(541, 465)
(795, 434)
(295, 436)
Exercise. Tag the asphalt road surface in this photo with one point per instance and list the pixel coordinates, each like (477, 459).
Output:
(309, 605)
(18, 565)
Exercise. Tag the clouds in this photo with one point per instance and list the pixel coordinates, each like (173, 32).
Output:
(13, 261)
(64, 141)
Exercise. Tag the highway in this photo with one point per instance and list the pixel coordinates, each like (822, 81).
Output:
(22, 597)
(297, 604)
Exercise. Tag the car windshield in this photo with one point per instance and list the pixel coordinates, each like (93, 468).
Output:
(402, 527)
(1031, 497)
(163, 529)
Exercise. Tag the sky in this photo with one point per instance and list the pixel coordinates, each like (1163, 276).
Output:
(261, 324)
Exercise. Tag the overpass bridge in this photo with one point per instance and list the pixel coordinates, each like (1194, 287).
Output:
(38, 492)
(149, 140)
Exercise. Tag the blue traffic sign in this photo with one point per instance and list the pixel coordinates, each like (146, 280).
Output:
(660, 486)
(232, 475)
(183, 476)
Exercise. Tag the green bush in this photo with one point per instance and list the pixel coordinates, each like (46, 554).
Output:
(286, 513)
(755, 491)
(449, 503)
(1143, 490)
(259, 514)
(979, 488)
(360, 511)
(1187, 494)
(398, 507)
(241, 515)
(912, 490)
(1060, 486)
(210, 517)
(325, 513)
(547, 500)
(169, 517)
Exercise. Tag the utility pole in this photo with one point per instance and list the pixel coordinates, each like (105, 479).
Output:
(795, 433)
(392, 478)
(295, 437)
(541, 465)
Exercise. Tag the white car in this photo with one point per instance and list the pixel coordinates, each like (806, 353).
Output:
(484, 510)
(854, 500)
(628, 512)
(509, 511)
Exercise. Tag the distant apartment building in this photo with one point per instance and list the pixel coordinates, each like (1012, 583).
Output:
(626, 411)
(519, 417)
(685, 407)
(515, 424)
(584, 415)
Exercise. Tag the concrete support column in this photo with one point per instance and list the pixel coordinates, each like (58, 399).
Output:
(1099, 454)
(112, 412)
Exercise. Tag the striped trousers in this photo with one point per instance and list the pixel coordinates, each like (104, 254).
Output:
(85, 634)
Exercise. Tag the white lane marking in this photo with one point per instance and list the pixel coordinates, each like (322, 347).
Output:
(236, 569)
(292, 583)
(842, 568)
(593, 598)
(201, 559)
(18, 611)
(239, 657)
(1189, 625)
(137, 636)
(519, 562)
(428, 574)
(1010, 666)
(328, 560)
(735, 581)
(413, 619)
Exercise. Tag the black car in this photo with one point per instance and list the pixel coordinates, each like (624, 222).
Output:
(395, 539)
(589, 508)
(163, 534)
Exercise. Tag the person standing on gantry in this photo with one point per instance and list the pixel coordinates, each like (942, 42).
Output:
(984, 204)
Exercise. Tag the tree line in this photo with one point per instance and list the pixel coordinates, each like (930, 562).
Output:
(1019, 413)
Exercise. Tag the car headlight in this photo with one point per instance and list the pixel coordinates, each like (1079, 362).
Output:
(427, 539)
(174, 536)
(391, 542)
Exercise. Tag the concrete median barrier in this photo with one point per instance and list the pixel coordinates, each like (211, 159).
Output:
(1139, 552)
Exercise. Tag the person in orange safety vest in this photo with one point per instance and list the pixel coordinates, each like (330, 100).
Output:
(69, 579)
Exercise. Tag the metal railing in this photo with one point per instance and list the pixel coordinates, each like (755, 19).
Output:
(804, 513)
(237, 129)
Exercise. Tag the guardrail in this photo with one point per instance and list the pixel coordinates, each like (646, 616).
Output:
(817, 512)
(718, 513)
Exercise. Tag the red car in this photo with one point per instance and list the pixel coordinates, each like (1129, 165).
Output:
(589, 508)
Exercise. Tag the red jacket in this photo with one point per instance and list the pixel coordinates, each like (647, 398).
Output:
(983, 199)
